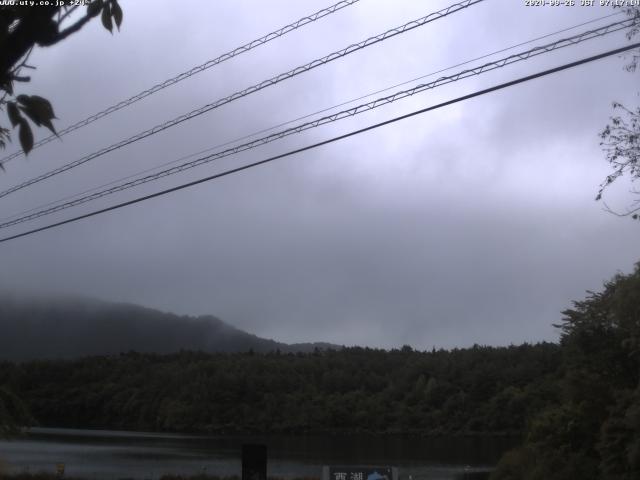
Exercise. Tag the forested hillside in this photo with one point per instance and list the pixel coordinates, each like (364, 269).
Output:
(476, 390)
(49, 328)
(576, 404)
(591, 430)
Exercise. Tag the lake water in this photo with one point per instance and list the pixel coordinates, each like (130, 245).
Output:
(110, 455)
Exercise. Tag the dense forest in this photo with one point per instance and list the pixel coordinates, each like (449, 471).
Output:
(476, 390)
(576, 405)
(593, 431)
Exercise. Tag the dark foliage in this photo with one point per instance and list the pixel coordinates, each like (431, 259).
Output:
(14, 414)
(51, 476)
(594, 431)
(24, 27)
(470, 391)
(621, 137)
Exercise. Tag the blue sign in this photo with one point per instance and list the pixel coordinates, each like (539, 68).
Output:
(351, 472)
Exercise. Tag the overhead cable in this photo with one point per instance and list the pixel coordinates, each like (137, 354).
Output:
(328, 141)
(487, 67)
(248, 91)
(189, 73)
(308, 115)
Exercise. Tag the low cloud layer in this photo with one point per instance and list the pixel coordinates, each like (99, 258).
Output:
(472, 224)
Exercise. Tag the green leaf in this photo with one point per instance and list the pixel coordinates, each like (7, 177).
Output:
(94, 8)
(38, 109)
(49, 125)
(32, 115)
(26, 136)
(106, 17)
(13, 113)
(43, 107)
(116, 12)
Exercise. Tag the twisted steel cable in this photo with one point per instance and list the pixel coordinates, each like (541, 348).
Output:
(303, 117)
(487, 67)
(189, 73)
(224, 173)
(248, 91)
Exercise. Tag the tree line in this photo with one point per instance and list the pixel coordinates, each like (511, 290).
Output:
(591, 429)
(463, 391)
(575, 405)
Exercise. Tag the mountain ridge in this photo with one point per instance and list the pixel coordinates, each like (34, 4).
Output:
(41, 327)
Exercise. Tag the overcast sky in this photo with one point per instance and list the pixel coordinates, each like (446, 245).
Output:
(474, 223)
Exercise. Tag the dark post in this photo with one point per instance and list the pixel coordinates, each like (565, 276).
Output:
(254, 462)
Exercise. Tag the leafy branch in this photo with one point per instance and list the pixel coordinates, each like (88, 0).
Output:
(620, 139)
(21, 29)
(621, 143)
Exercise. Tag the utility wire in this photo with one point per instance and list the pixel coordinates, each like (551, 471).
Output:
(386, 89)
(487, 67)
(288, 122)
(189, 73)
(330, 140)
(257, 87)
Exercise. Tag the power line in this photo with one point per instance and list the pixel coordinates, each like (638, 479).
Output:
(406, 82)
(574, 40)
(255, 88)
(189, 73)
(330, 140)
(288, 122)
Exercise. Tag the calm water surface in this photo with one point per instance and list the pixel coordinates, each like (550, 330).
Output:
(110, 455)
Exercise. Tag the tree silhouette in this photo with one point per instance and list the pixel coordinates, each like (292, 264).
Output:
(22, 28)
(621, 137)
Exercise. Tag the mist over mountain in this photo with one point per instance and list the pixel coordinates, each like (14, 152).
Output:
(67, 327)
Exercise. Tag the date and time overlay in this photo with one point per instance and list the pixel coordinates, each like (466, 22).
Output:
(527, 3)
(581, 3)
